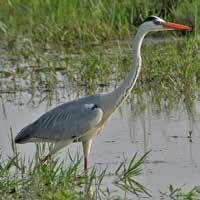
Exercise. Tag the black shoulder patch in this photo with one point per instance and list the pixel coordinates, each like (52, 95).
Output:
(95, 106)
(150, 18)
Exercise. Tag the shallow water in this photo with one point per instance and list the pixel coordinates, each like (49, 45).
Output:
(174, 157)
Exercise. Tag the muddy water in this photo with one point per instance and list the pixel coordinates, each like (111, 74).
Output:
(173, 138)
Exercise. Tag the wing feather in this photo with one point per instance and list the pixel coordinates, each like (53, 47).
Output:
(64, 123)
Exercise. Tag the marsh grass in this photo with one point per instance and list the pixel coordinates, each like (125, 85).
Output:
(176, 193)
(126, 174)
(84, 23)
(170, 71)
(29, 179)
(22, 178)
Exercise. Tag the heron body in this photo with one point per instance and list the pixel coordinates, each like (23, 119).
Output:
(82, 119)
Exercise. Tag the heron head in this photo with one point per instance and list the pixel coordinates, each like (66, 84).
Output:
(154, 23)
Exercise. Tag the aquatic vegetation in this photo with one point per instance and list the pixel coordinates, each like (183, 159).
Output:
(169, 74)
(178, 194)
(126, 176)
(23, 179)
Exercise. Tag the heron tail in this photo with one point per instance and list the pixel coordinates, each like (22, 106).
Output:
(24, 135)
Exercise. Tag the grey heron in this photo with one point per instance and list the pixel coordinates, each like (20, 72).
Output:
(82, 119)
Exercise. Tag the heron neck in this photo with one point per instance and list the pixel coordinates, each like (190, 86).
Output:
(124, 89)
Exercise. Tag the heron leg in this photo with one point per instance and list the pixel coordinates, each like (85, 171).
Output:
(57, 147)
(45, 158)
(86, 151)
(85, 164)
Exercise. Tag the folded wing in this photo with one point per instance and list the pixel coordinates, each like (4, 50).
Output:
(68, 121)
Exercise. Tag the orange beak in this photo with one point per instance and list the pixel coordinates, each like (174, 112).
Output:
(175, 26)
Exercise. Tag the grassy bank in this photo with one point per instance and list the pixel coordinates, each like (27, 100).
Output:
(82, 23)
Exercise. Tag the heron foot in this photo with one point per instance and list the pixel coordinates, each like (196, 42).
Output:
(42, 161)
(46, 159)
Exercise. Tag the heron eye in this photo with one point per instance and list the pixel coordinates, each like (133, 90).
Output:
(156, 22)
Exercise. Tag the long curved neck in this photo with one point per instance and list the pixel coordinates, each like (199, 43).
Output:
(124, 89)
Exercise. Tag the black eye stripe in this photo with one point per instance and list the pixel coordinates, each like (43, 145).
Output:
(151, 18)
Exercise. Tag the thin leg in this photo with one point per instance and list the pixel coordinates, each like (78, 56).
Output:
(88, 193)
(86, 151)
(47, 157)
(57, 147)
(85, 164)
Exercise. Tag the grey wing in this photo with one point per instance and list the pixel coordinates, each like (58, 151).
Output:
(63, 123)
